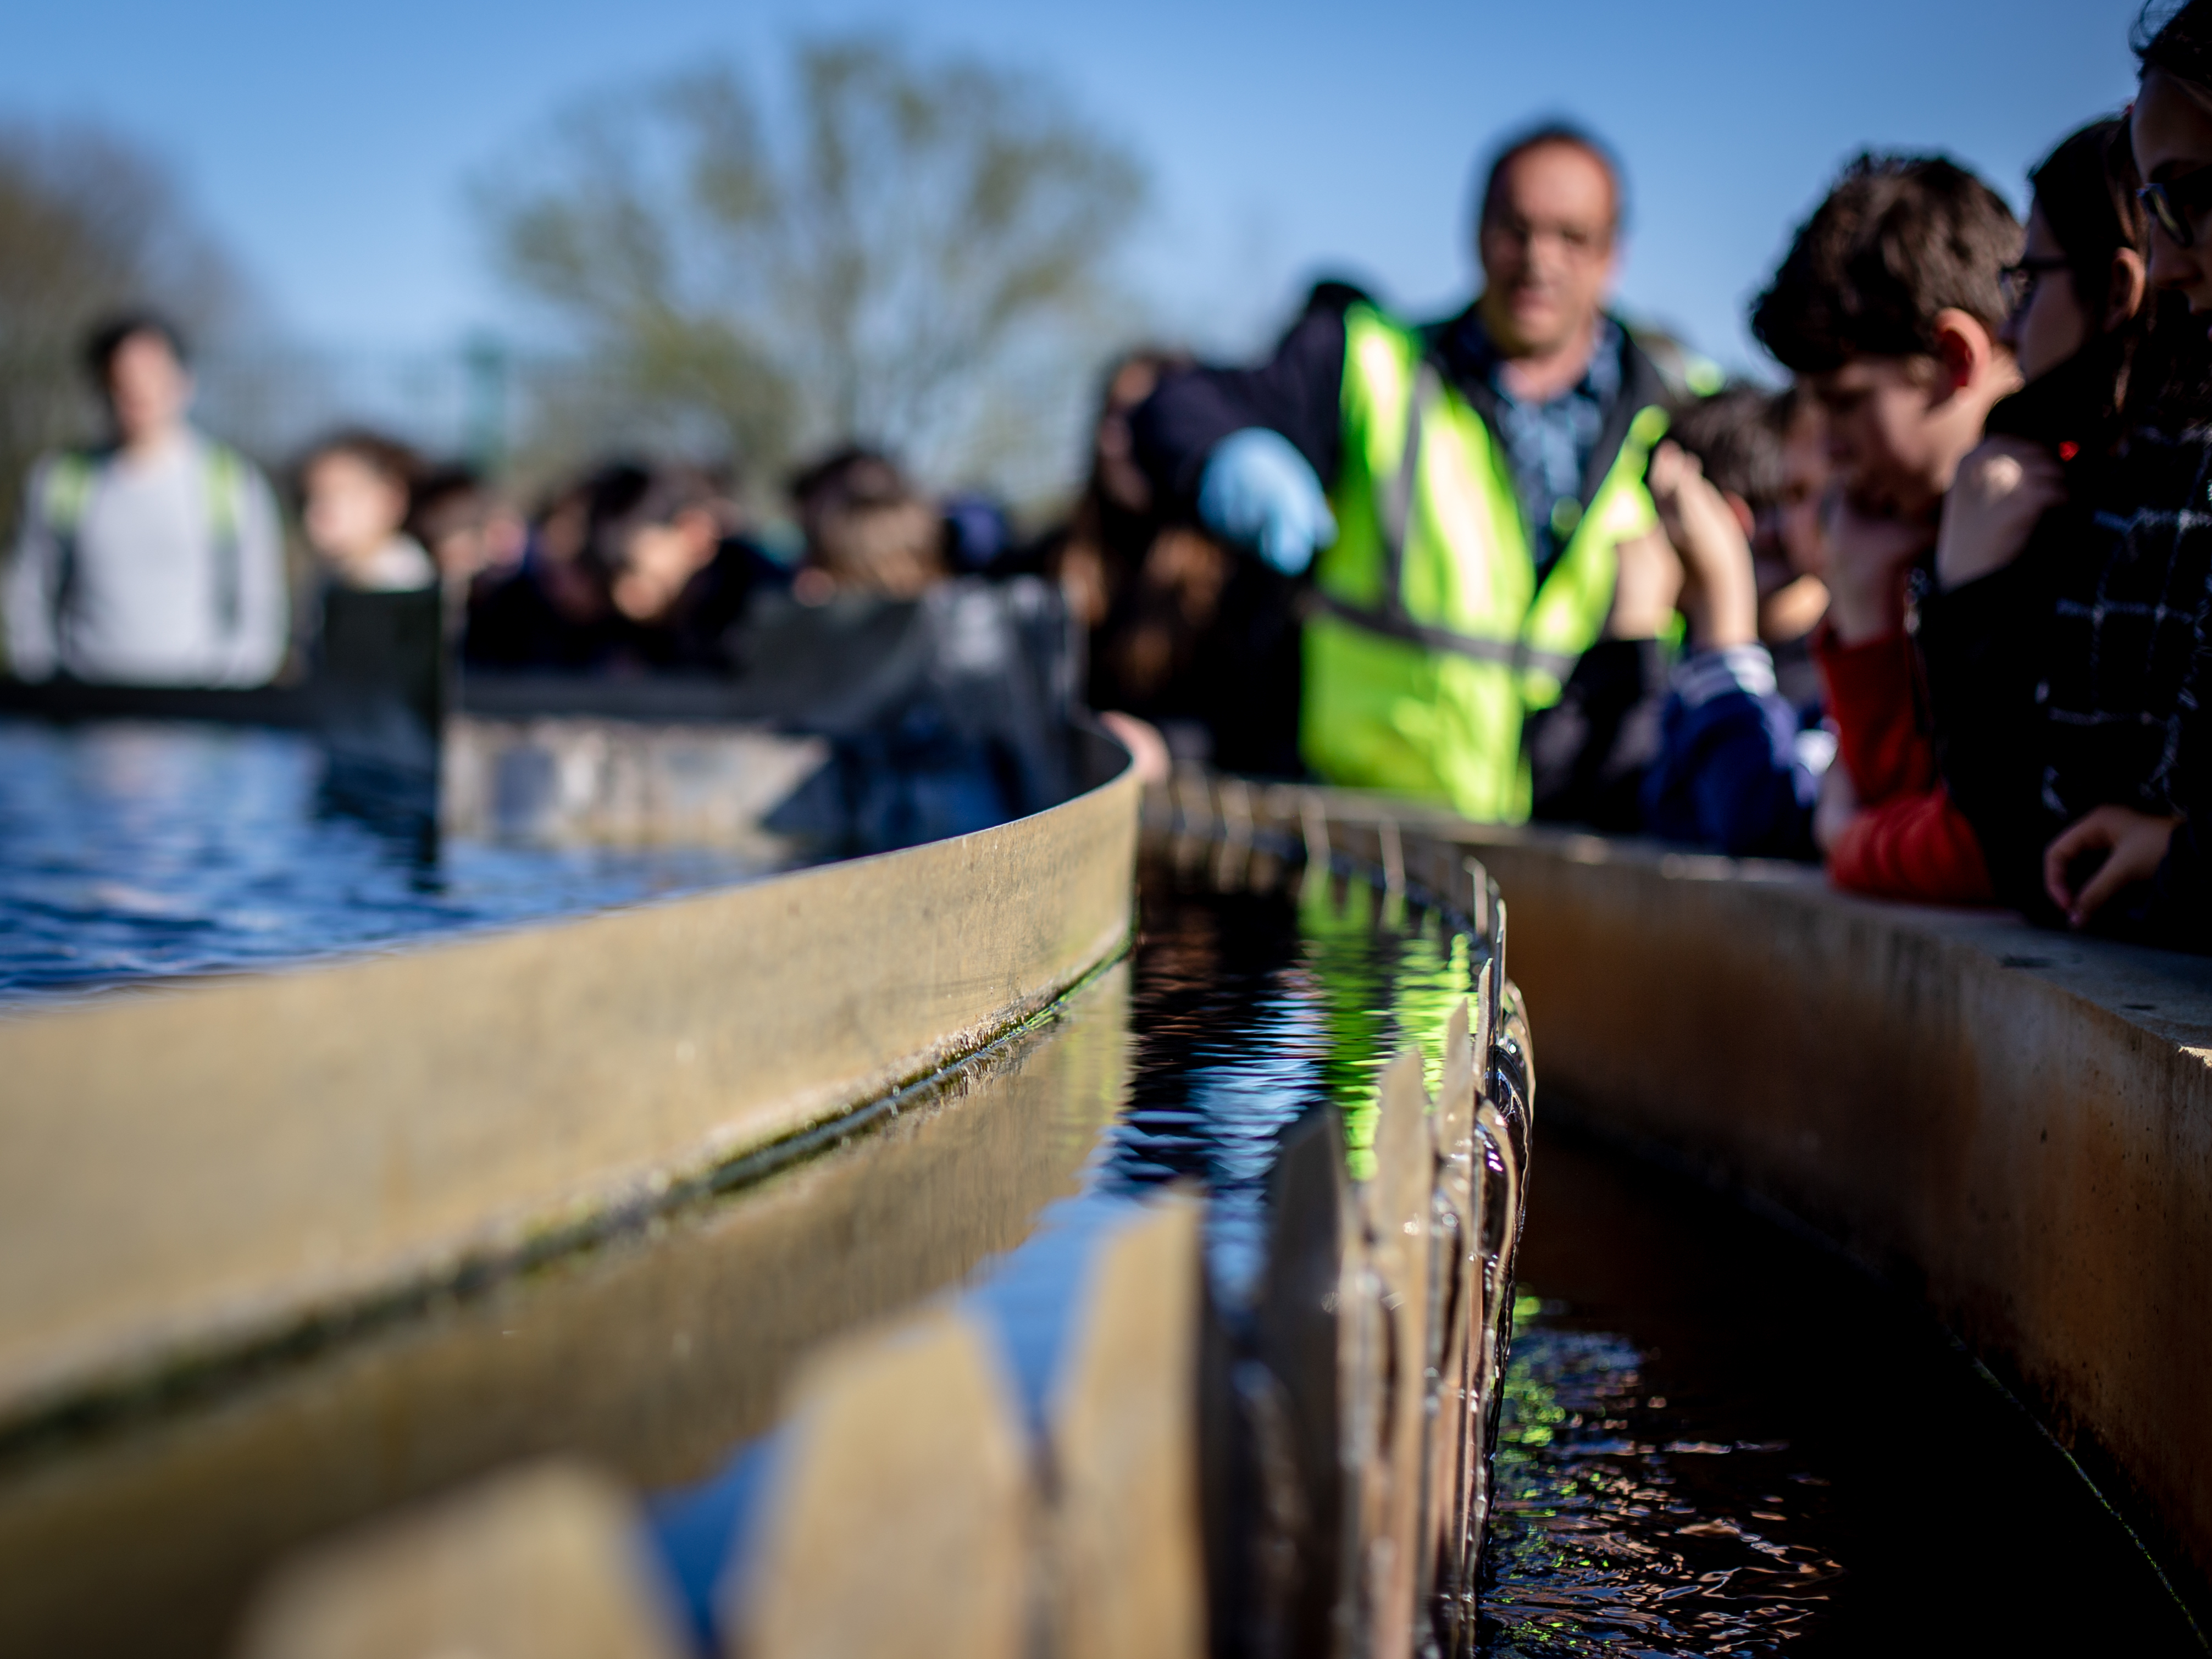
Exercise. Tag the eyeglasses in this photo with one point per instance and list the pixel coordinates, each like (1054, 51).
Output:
(2019, 281)
(2174, 204)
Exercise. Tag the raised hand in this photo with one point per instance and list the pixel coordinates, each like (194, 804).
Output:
(1720, 590)
(2005, 485)
(1868, 557)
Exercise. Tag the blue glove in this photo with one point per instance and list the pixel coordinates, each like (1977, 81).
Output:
(1258, 492)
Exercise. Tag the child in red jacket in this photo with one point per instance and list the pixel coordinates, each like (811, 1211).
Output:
(1889, 308)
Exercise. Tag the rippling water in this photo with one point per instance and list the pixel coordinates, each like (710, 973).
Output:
(131, 851)
(1718, 1438)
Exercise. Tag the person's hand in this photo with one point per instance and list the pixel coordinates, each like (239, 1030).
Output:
(1868, 557)
(1836, 807)
(1646, 582)
(1720, 590)
(2134, 844)
(1257, 491)
(1148, 750)
(2002, 487)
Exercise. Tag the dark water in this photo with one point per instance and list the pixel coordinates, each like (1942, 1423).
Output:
(1720, 1439)
(132, 851)
(1717, 1439)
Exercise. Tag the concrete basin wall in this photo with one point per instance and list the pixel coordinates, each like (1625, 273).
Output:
(2015, 1124)
(193, 1174)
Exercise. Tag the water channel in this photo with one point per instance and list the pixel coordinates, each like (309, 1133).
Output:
(1718, 1438)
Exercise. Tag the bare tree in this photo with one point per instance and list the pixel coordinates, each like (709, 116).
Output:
(919, 246)
(88, 223)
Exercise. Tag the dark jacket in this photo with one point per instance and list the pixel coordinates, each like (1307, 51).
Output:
(2075, 678)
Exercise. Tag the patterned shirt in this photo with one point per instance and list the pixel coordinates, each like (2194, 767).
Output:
(1549, 444)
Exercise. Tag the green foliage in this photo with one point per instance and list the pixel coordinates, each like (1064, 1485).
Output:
(904, 255)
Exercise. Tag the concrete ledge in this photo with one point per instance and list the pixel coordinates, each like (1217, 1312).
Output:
(191, 1170)
(2017, 1123)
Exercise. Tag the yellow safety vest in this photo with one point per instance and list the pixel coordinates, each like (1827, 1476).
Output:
(1428, 636)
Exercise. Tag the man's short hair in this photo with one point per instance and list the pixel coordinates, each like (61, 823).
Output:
(1737, 435)
(1900, 238)
(1543, 136)
(105, 341)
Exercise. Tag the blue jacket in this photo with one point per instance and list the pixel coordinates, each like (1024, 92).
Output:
(1738, 769)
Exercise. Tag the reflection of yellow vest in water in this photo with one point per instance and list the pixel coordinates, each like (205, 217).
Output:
(1429, 635)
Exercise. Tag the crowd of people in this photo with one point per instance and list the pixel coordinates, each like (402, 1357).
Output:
(162, 557)
(1937, 612)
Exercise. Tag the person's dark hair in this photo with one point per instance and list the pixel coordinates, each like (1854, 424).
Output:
(850, 471)
(1543, 136)
(441, 481)
(382, 454)
(2177, 39)
(625, 496)
(2086, 189)
(1333, 296)
(101, 344)
(1736, 434)
(1900, 238)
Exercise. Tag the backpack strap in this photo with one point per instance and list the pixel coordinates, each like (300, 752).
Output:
(69, 489)
(225, 475)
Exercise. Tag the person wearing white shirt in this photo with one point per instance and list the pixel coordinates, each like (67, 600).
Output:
(156, 560)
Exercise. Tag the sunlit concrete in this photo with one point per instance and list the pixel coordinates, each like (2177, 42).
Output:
(2016, 1124)
(196, 1171)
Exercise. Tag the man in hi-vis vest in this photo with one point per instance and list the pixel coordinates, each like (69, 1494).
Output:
(1467, 499)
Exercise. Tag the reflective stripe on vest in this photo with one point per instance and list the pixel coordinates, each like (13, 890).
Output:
(1428, 634)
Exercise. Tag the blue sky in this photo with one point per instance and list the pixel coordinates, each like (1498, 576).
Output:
(330, 147)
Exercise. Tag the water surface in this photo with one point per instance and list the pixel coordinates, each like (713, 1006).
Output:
(136, 850)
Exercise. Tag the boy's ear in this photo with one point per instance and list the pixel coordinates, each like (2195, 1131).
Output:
(1965, 351)
(1744, 515)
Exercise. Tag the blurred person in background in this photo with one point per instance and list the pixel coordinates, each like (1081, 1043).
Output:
(356, 492)
(1889, 308)
(1739, 760)
(868, 530)
(157, 560)
(677, 570)
(1790, 552)
(473, 535)
(552, 613)
(1449, 597)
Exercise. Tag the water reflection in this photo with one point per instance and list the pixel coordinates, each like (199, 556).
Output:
(1249, 1010)
(1607, 1536)
(131, 850)
(1716, 1439)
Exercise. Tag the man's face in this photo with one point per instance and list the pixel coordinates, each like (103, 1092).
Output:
(1547, 249)
(147, 389)
(1889, 437)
